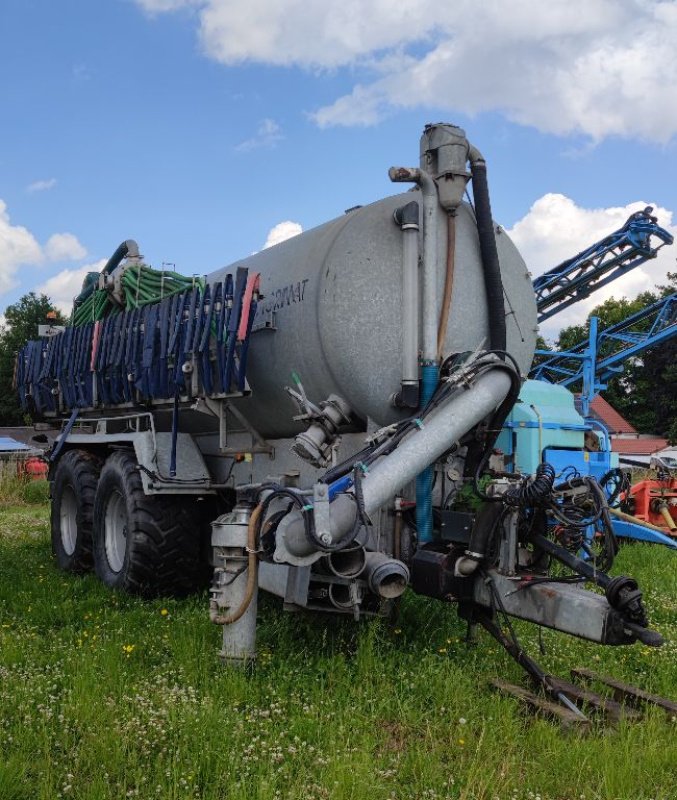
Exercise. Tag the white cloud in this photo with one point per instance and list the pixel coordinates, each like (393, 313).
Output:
(67, 284)
(331, 33)
(598, 67)
(555, 229)
(41, 186)
(268, 134)
(158, 6)
(64, 247)
(281, 232)
(18, 246)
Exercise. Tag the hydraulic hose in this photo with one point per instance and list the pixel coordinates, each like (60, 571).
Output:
(489, 254)
(448, 285)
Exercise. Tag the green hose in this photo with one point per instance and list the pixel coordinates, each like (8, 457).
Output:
(141, 286)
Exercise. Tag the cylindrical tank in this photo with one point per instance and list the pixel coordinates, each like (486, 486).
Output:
(332, 312)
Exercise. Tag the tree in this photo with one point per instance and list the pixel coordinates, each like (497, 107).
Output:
(645, 392)
(660, 374)
(22, 320)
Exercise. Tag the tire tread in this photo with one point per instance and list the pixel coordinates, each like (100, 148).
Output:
(163, 539)
(83, 469)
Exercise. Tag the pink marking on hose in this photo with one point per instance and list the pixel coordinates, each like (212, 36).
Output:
(96, 335)
(252, 286)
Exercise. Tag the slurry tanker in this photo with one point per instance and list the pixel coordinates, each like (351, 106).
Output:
(319, 421)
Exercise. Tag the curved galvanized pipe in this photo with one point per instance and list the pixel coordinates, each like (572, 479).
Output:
(418, 450)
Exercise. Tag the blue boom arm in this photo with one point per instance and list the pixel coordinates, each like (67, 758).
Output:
(603, 262)
(596, 359)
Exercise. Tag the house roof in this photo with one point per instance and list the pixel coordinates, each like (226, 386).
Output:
(11, 445)
(29, 436)
(638, 447)
(609, 417)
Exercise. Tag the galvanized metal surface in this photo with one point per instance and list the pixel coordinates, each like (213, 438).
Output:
(442, 428)
(153, 452)
(561, 606)
(336, 296)
(229, 587)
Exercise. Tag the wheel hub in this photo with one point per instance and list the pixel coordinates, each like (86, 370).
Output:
(115, 531)
(68, 522)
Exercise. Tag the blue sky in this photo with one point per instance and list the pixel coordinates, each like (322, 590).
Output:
(197, 126)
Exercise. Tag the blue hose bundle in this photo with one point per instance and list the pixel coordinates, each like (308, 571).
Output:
(190, 342)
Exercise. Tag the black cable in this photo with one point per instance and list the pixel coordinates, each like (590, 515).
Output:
(533, 491)
(339, 470)
(621, 483)
(497, 600)
(306, 510)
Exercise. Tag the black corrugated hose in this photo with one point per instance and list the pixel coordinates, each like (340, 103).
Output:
(489, 253)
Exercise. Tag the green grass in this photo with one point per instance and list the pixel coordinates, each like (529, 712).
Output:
(108, 696)
(23, 491)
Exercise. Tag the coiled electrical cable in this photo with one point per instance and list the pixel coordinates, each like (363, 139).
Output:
(620, 482)
(590, 510)
(534, 491)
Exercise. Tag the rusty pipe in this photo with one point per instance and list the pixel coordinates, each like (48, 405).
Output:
(664, 511)
(635, 520)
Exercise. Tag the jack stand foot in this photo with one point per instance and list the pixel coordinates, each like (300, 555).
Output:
(471, 634)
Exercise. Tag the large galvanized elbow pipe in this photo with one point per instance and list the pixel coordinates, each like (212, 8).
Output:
(441, 428)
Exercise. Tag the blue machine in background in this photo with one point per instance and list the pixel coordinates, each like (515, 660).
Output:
(595, 360)
(545, 424)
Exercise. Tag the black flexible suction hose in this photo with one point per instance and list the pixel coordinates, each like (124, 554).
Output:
(490, 265)
(128, 247)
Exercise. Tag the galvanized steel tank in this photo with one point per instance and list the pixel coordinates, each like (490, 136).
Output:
(331, 311)
(333, 299)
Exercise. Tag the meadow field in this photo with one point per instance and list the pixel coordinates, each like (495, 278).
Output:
(108, 696)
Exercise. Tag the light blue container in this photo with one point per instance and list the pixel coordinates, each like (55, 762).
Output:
(545, 426)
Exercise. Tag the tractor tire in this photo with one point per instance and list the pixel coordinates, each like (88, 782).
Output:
(147, 545)
(73, 490)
